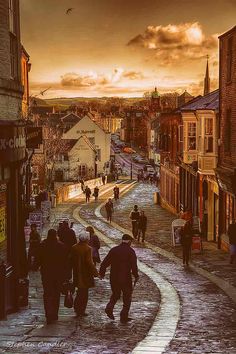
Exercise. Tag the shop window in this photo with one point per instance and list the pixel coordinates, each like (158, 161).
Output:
(191, 136)
(208, 135)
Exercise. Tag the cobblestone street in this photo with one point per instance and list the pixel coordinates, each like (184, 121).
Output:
(174, 310)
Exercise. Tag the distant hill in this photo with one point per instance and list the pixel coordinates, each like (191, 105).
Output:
(76, 100)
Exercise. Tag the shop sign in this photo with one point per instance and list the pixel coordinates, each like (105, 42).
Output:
(33, 137)
(12, 143)
(3, 212)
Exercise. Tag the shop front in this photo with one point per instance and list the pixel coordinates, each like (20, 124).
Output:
(13, 264)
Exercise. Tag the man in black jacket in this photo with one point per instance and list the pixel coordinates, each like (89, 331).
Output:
(54, 267)
(123, 262)
(134, 216)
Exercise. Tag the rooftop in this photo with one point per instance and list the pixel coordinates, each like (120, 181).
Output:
(209, 101)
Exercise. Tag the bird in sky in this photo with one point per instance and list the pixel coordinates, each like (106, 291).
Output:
(43, 91)
(68, 11)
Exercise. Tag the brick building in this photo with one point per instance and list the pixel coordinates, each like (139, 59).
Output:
(226, 170)
(170, 145)
(13, 264)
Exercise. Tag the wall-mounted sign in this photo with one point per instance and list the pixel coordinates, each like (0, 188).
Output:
(86, 131)
(33, 137)
(3, 211)
(12, 143)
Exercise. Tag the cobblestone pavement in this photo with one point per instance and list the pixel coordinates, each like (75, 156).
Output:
(26, 331)
(207, 322)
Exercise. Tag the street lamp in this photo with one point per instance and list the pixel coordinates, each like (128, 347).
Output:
(131, 170)
(95, 166)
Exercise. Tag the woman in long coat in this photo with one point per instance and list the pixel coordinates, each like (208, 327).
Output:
(84, 272)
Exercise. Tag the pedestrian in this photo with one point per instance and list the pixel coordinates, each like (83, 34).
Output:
(142, 226)
(103, 180)
(54, 268)
(134, 216)
(67, 235)
(87, 192)
(123, 262)
(109, 209)
(116, 192)
(94, 243)
(232, 241)
(95, 193)
(34, 245)
(84, 272)
(186, 241)
(82, 184)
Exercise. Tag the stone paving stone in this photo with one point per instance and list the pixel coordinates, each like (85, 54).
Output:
(159, 231)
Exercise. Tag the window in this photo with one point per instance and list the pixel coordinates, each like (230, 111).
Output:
(181, 133)
(92, 140)
(229, 59)
(12, 26)
(35, 172)
(227, 133)
(208, 135)
(191, 136)
(13, 56)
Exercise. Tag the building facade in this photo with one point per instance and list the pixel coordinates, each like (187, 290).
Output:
(226, 169)
(13, 265)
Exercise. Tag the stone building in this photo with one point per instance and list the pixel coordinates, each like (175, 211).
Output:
(226, 169)
(13, 264)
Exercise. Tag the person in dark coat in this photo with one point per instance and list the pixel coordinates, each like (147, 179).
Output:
(94, 243)
(54, 267)
(67, 235)
(186, 235)
(232, 241)
(34, 245)
(116, 191)
(95, 193)
(142, 226)
(123, 262)
(134, 216)
(87, 192)
(109, 209)
(103, 179)
(84, 272)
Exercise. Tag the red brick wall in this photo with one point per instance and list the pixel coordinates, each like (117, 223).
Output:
(227, 101)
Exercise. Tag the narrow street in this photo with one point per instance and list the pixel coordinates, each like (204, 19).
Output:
(174, 310)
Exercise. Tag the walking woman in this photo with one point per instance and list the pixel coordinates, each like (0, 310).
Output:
(109, 209)
(186, 242)
(142, 226)
(94, 243)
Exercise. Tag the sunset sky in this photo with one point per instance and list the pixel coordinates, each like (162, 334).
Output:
(122, 47)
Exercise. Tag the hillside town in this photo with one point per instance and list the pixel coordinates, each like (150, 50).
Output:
(170, 155)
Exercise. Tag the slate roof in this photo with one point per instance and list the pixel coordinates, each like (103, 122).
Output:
(209, 101)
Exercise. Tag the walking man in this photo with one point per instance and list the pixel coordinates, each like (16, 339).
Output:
(87, 192)
(109, 209)
(232, 241)
(67, 235)
(54, 267)
(123, 262)
(84, 272)
(95, 193)
(116, 191)
(186, 242)
(134, 216)
(142, 226)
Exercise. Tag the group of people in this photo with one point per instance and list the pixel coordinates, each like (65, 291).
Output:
(146, 177)
(63, 260)
(139, 223)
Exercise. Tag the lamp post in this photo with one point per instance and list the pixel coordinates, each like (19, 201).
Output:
(95, 166)
(131, 170)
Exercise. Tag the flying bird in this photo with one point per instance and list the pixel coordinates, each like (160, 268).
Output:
(43, 91)
(68, 11)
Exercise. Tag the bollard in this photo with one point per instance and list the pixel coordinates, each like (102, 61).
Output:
(2, 290)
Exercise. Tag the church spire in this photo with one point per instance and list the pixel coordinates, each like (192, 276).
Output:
(207, 79)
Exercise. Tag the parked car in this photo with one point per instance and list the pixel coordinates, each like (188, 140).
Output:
(116, 150)
(129, 150)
